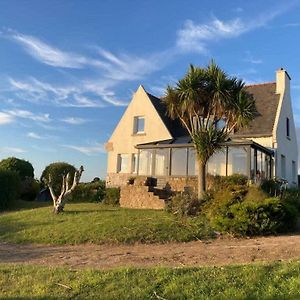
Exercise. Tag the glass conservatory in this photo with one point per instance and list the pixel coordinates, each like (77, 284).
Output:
(177, 158)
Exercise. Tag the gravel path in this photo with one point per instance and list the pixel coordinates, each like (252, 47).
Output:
(215, 252)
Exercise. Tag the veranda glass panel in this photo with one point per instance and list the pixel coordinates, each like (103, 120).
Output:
(217, 164)
(145, 162)
(252, 164)
(237, 160)
(161, 162)
(179, 161)
(191, 162)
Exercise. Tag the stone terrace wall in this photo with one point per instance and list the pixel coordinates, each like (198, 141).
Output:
(117, 179)
(132, 196)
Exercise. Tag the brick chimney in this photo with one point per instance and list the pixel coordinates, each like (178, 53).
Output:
(282, 81)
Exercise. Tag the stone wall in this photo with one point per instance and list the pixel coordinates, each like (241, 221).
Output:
(117, 179)
(178, 184)
(138, 196)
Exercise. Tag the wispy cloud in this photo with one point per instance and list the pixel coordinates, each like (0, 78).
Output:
(74, 121)
(87, 150)
(34, 135)
(25, 114)
(50, 55)
(196, 36)
(95, 93)
(249, 58)
(12, 150)
(5, 118)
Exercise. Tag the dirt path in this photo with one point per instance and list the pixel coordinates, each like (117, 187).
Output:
(216, 252)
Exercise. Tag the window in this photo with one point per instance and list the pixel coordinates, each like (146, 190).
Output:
(217, 164)
(179, 161)
(161, 162)
(191, 162)
(237, 161)
(283, 168)
(287, 127)
(139, 125)
(134, 158)
(294, 171)
(145, 162)
(123, 160)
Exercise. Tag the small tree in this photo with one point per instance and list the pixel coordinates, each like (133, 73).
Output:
(203, 100)
(63, 176)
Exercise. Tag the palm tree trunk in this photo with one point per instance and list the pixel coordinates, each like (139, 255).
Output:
(201, 179)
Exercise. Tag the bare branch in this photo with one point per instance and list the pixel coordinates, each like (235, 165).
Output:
(54, 198)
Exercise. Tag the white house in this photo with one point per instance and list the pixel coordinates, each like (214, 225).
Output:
(146, 143)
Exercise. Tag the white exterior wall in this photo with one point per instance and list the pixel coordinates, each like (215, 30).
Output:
(283, 144)
(123, 139)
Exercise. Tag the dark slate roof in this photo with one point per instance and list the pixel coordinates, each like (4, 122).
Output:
(174, 126)
(266, 102)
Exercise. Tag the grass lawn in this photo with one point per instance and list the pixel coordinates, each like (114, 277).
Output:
(258, 281)
(97, 223)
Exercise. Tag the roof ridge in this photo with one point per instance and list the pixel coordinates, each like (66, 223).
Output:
(263, 83)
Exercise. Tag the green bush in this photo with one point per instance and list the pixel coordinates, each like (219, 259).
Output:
(112, 196)
(292, 197)
(57, 170)
(20, 166)
(89, 192)
(9, 188)
(272, 187)
(29, 189)
(184, 204)
(255, 218)
(219, 182)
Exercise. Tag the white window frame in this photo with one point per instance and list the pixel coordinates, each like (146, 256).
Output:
(122, 157)
(134, 163)
(135, 124)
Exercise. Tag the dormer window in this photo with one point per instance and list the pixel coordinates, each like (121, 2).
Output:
(139, 125)
(287, 127)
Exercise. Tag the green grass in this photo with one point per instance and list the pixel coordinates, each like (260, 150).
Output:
(258, 281)
(96, 223)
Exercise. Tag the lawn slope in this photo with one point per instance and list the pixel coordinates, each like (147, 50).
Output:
(96, 223)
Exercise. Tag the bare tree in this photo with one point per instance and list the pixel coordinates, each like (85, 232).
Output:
(66, 190)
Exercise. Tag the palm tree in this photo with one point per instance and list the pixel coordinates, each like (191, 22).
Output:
(201, 100)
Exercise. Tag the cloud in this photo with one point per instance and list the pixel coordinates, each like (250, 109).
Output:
(74, 121)
(34, 135)
(5, 118)
(87, 150)
(249, 58)
(50, 55)
(12, 150)
(96, 93)
(194, 37)
(25, 114)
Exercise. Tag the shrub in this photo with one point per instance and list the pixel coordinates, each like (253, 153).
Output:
(219, 182)
(255, 218)
(20, 166)
(292, 197)
(89, 192)
(9, 187)
(184, 204)
(112, 196)
(272, 187)
(57, 170)
(29, 189)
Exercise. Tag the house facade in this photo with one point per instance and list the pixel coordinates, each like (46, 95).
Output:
(146, 143)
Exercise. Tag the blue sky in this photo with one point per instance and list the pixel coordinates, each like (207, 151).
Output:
(68, 68)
